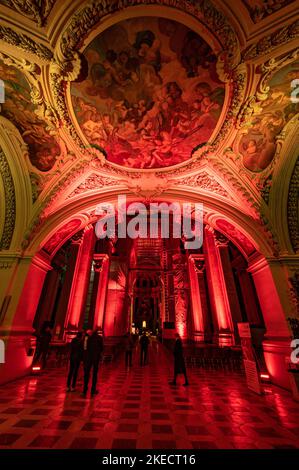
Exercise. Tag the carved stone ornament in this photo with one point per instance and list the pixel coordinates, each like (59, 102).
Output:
(10, 203)
(37, 10)
(293, 208)
(93, 181)
(203, 181)
(267, 44)
(25, 43)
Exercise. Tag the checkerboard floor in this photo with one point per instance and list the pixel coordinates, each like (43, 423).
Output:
(137, 408)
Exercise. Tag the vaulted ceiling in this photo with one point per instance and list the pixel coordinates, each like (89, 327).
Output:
(176, 100)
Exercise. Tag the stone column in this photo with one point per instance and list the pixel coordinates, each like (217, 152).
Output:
(23, 290)
(271, 284)
(231, 295)
(198, 320)
(67, 291)
(101, 267)
(248, 294)
(47, 298)
(80, 281)
(217, 290)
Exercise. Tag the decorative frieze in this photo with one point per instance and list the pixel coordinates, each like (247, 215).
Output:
(10, 203)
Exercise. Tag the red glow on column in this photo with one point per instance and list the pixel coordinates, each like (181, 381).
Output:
(79, 289)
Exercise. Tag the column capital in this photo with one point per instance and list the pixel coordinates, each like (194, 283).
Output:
(220, 239)
(78, 237)
(198, 262)
(99, 260)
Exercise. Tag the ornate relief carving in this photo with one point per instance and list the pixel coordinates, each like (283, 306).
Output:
(62, 234)
(91, 15)
(203, 181)
(10, 203)
(37, 10)
(25, 42)
(36, 185)
(266, 44)
(293, 208)
(294, 290)
(260, 10)
(93, 182)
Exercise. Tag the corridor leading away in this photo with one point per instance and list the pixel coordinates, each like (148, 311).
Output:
(139, 409)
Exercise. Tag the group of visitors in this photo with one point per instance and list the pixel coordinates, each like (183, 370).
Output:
(130, 345)
(87, 348)
(179, 361)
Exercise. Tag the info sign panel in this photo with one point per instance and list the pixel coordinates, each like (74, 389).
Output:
(251, 370)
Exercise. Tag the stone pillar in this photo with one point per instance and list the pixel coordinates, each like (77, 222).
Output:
(81, 278)
(101, 267)
(47, 298)
(248, 295)
(272, 289)
(67, 291)
(23, 289)
(217, 290)
(194, 265)
(231, 295)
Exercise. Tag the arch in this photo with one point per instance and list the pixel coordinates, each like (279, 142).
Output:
(85, 206)
(14, 147)
(279, 194)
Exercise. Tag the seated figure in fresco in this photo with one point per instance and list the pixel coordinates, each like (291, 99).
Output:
(251, 155)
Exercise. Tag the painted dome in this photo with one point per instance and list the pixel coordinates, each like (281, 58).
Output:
(151, 94)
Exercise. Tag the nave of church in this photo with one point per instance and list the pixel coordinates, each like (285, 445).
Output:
(138, 409)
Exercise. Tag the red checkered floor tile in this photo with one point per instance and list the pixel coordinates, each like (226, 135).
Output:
(137, 408)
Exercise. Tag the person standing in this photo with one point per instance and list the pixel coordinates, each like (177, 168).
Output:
(129, 346)
(179, 361)
(144, 342)
(76, 356)
(94, 349)
(43, 345)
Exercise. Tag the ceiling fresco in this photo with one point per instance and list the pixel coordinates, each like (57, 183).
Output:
(152, 93)
(260, 9)
(258, 144)
(18, 107)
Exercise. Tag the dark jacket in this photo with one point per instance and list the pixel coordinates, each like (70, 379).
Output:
(95, 348)
(76, 349)
(179, 362)
(44, 340)
(144, 342)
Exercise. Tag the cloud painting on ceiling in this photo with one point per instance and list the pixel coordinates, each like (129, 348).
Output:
(152, 93)
(258, 144)
(18, 108)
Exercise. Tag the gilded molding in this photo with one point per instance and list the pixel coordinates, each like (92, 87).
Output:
(36, 10)
(203, 181)
(87, 18)
(25, 43)
(293, 209)
(268, 43)
(10, 203)
(93, 181)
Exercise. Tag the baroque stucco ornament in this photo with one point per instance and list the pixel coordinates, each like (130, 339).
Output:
(10, 203)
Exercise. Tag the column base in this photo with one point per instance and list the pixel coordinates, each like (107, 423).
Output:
(226, 338)
(201, 337)
(277, 351)
(18, 354)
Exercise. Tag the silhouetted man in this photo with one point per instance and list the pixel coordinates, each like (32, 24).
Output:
(129, 346)
(179, 362)
(144, 341)
(93, 354)
(43, 344)
(76, 356)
